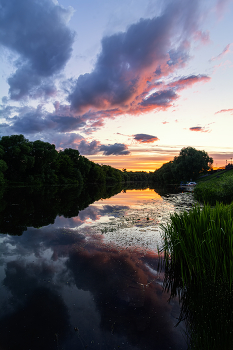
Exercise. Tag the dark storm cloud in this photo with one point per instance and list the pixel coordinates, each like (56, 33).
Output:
(116, 149)
(37, 32)
(129, 61)
(145, 138)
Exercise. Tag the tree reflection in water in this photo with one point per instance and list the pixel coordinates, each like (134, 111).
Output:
(62, 288)
(38, 206)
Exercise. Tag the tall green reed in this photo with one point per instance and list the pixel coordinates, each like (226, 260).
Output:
(198, 258)
(200, 243)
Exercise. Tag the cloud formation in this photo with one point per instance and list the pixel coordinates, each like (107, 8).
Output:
(37, 32)
(132, 74)
(199, 128)
(131, 63)
(224, 52)
(185, 82)
(116, 149)
(88, 148)
(145, 138)
(224, 110)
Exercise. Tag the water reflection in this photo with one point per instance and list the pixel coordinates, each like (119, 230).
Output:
(71, 285)
(206, 309)
(24, 207)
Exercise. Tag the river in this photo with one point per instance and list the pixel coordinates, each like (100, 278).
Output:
(79, 270)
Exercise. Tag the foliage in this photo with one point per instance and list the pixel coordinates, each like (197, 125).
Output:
(198, 257)
(17, 155)
(186, 167)
(40, 163)
(215, 188)
(201, 241)
(3, 168)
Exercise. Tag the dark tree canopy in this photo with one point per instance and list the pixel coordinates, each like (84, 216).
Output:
(186, 167)
(38, 162)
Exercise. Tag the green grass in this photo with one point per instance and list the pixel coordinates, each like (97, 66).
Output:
(215, 187)
(198, 258)
(201, 242)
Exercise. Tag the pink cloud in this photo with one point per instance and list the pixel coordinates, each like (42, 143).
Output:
(199, 128)
(224, 52)
(128, 75)
(203, 37)
(185, 82)
(145, 138)
(132, 63)
(224, 110)
(221, 7)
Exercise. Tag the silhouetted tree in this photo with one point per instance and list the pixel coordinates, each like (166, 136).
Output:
(188, 165)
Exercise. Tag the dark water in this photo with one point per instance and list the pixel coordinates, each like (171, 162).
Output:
(76, 275)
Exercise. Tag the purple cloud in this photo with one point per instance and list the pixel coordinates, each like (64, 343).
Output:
(160, 99)
(116, 149)
(145, 138)
(130, 62)
(37, 32)
(89, 148)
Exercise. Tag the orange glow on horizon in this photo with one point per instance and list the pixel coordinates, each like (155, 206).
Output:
(132, 163)
(149, 162)
(130, 197)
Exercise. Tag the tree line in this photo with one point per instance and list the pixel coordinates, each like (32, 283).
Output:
(190, 164)
(38, 163)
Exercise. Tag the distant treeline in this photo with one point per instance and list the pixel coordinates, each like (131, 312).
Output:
(38, 163)
(188, 166)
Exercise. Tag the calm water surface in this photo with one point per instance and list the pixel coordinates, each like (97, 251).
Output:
(86, 279)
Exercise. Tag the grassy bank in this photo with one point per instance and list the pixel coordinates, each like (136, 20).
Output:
(198, 257)
(216, 187)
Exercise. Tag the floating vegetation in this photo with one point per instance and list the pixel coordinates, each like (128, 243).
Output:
(137, 225)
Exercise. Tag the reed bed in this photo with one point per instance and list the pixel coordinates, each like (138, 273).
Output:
(198, 258)
(200, 242)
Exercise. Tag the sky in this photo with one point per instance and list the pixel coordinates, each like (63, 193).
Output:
(128, 83)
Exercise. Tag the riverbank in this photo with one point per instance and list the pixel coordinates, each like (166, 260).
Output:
(198, 260)
(217, 187)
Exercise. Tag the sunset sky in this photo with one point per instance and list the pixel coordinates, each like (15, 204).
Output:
(128, 83)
